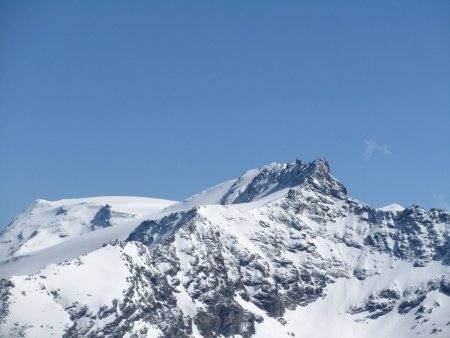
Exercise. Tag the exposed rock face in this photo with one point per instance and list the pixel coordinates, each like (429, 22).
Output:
(237, 268)
(414, 234)
(227, 319)
(102, 217)
(445, 285)
(275, 177)
(379, 304)
(413, 297)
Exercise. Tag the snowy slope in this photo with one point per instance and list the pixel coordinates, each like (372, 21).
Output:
(52, 231)
(46, 304)
(212, 195)
(282, 251)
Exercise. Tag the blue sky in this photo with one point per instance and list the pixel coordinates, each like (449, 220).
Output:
(166, 98)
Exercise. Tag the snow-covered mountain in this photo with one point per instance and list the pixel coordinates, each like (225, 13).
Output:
(51, 232)
(281, 251)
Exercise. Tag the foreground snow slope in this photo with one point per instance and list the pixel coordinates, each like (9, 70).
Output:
(282, 251)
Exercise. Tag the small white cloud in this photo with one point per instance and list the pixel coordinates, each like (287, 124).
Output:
(371, 148)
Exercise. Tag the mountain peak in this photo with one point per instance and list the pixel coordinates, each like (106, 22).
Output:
(258, 183)
(319, 165)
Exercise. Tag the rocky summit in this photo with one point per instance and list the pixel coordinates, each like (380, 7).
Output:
(282, 251)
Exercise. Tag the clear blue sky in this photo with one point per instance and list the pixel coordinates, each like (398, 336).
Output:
(166, 98)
